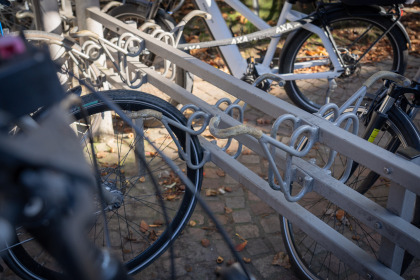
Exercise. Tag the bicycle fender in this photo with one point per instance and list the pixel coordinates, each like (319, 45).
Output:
(363, 10)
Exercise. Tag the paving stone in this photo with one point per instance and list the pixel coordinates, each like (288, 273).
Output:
(252, 197)
(271, 223)
(216, 206)
(248, 231)
(235, 202)
(241, 216)
(257, 247)
(276, 241)
(260, 208)
(269, 271)
(237, 190)
(197, 217)
(195, 234)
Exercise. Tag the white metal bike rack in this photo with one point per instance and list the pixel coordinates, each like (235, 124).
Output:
(400, 234)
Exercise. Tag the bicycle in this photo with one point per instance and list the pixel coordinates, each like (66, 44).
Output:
(322, 67)
(125, 181)
(121, 180)
(386, 122)
(46, 183)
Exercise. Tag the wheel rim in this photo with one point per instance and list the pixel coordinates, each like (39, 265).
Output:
(314, 92)
(311, 258)
(137, 227)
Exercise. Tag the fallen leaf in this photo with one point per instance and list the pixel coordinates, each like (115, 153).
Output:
(192, 223)
(210, 192)
(355, 237)
(101, 154)
(228, 210)
(241, 247)
(205, 242)
(142, 179)
(188, 268)
(144, 226)
(228, 189)
(152, 235)
(220, 173)
(246, 260)
(340, 214)
(281, 259)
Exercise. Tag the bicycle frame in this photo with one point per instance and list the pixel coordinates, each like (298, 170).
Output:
(237, 64)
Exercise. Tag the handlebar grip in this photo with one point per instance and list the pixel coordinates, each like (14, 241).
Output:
(232, 131)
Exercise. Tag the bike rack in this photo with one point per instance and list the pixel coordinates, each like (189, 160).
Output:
(405, 173)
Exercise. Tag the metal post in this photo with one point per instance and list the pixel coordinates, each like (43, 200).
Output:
(105, 128)
(86, 23)
(402, 203)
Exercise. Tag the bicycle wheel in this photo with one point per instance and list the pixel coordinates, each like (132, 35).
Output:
(353, 35)
(65, 53)
(137, 229)
(309, 258)
(130, 14)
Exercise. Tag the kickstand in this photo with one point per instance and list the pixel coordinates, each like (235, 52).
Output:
(332, 85)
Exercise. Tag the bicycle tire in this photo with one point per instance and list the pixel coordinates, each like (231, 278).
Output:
(308, 258)
(30, 265)
(390, 53)
(130, 12)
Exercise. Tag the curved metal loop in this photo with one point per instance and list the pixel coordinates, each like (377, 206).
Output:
(221, 101)
(329, 107)
(92, 49)
(179, 29)
(196, 116)
(191, 107)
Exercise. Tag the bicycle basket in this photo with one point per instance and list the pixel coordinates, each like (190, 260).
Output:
(376, 2)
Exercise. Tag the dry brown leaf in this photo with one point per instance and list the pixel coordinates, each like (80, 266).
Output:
(340, 214)
(171, 197)
(188, 268)
(228, 210)
(241, 247)
(220, 173)
(101, 154)
(228, 189)
(142, 179)
(144, 226)
(246, 260)
(152, 235)
(192, 223)
(281, 259)
(205, 242)
(210, 192)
